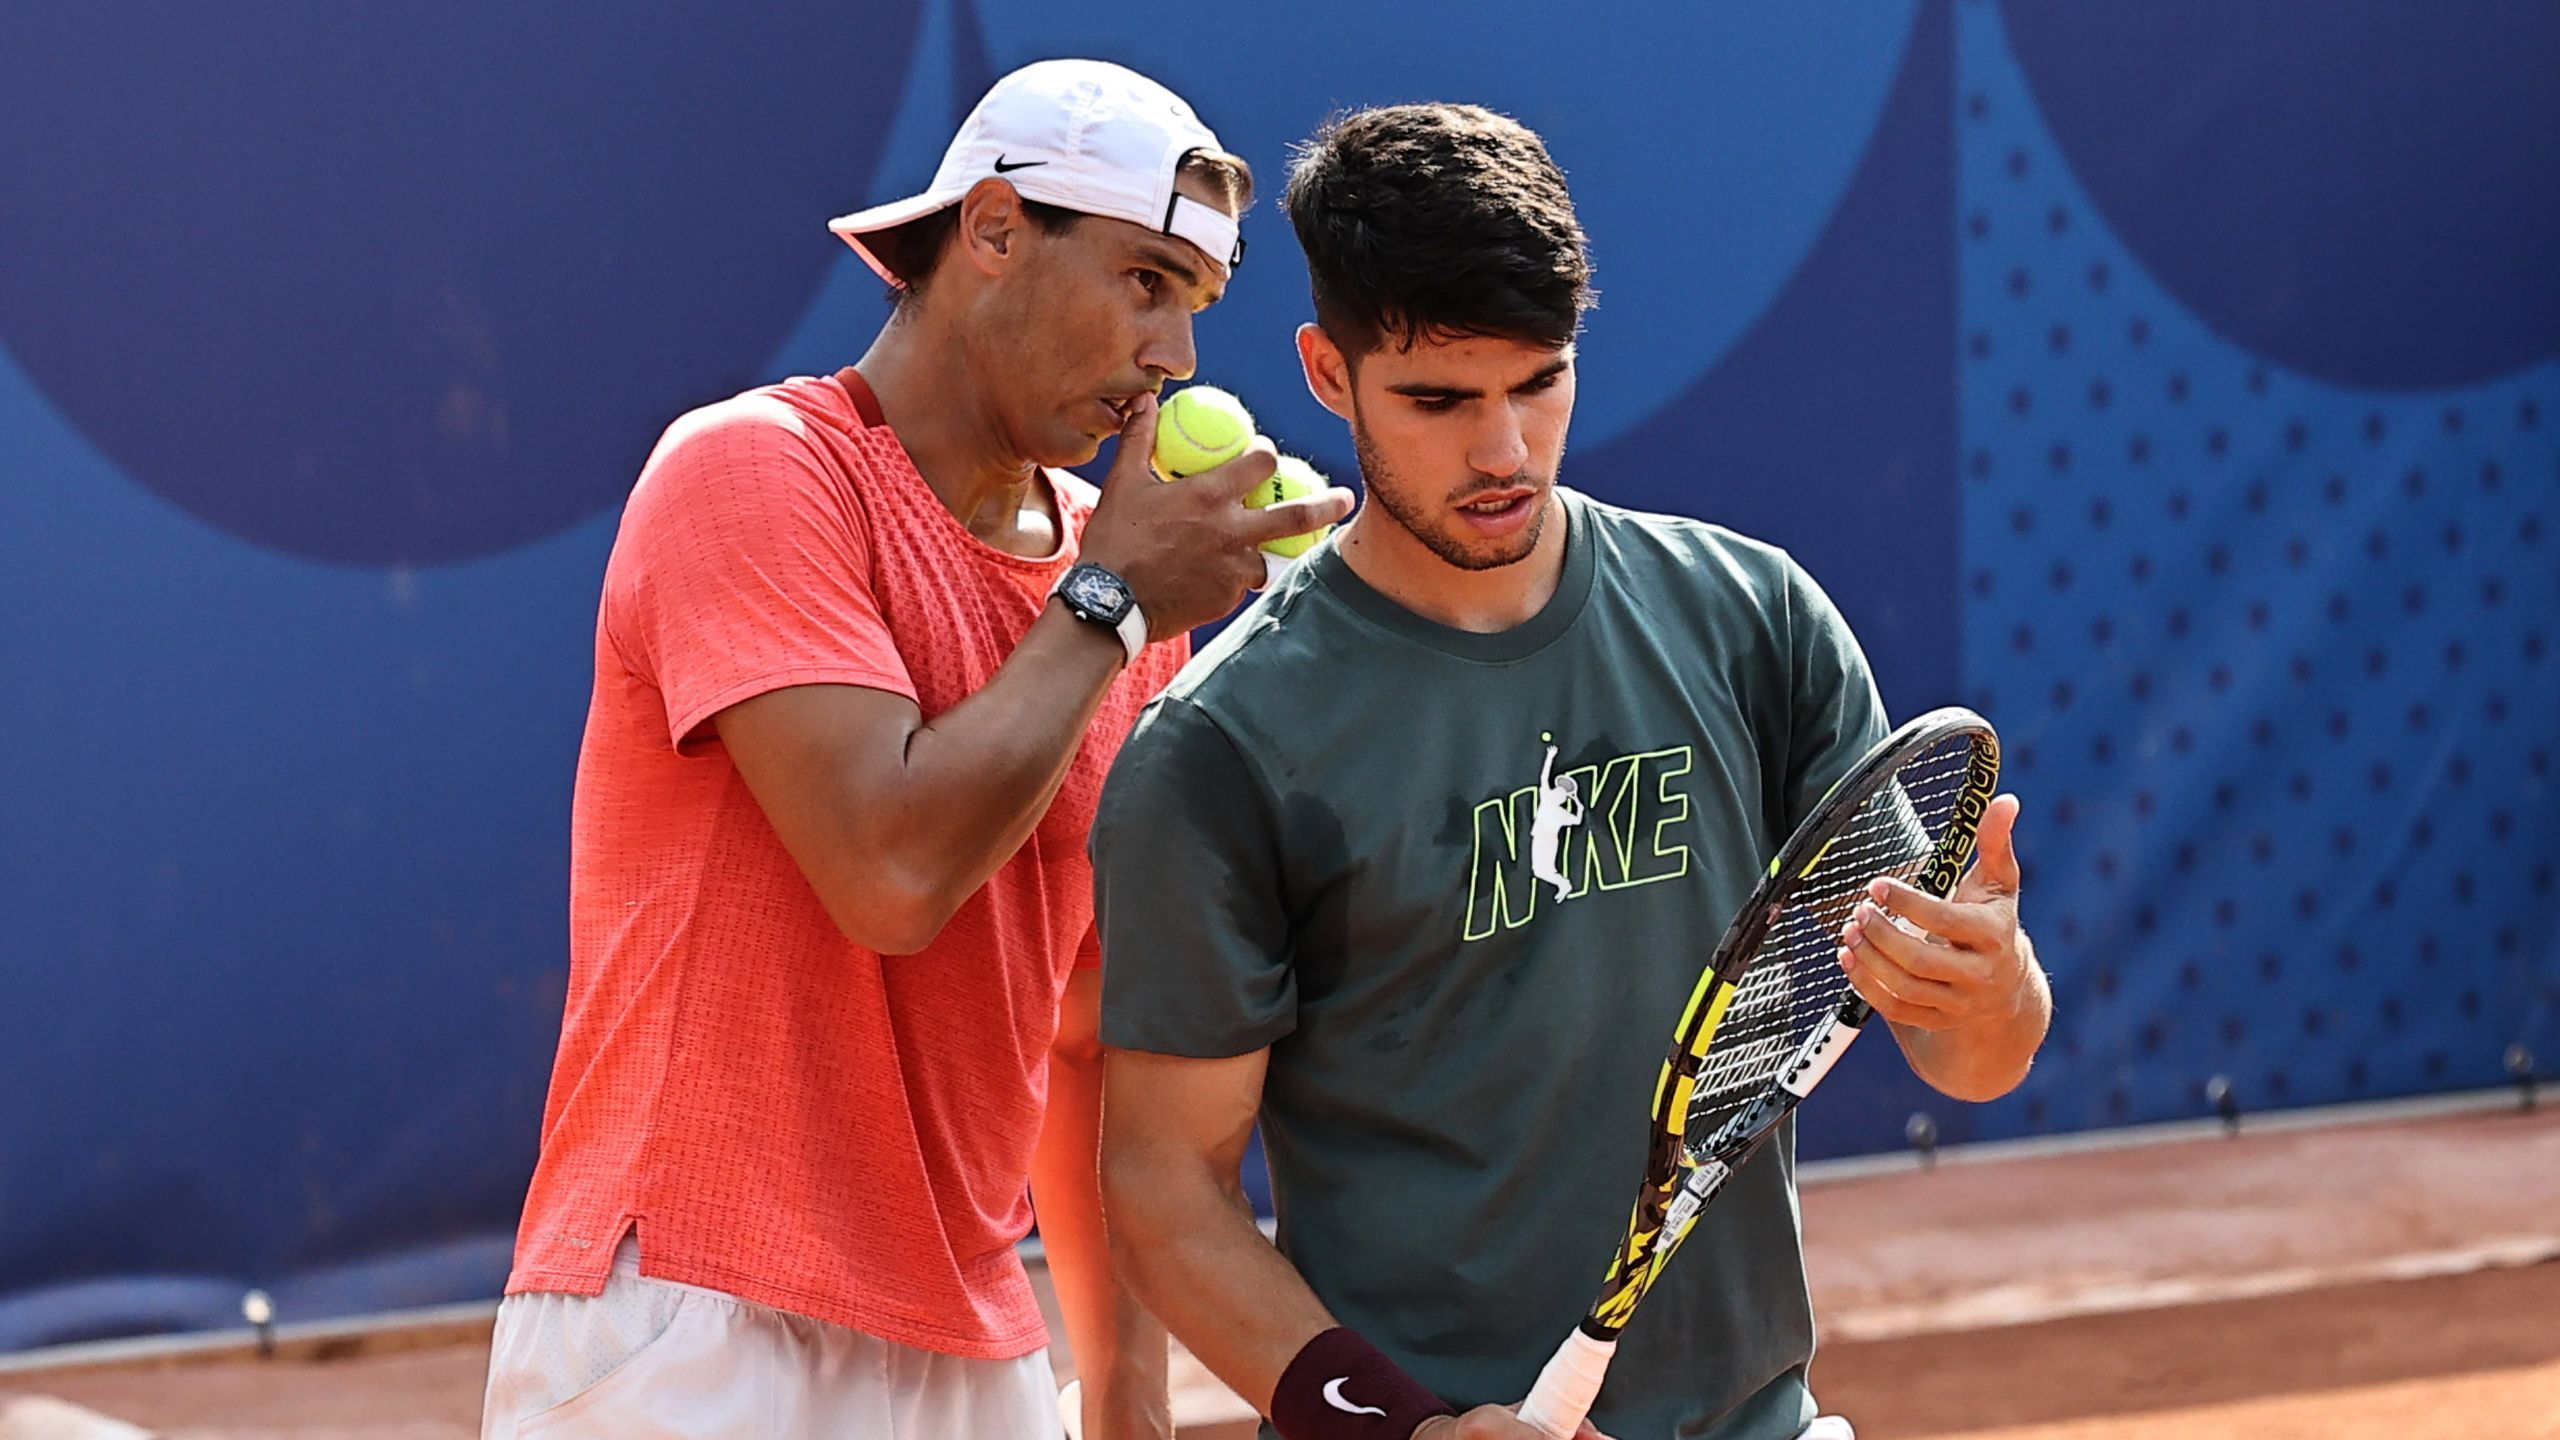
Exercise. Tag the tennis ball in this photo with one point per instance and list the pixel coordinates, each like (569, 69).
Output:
(1201, 428)
(1293, 479)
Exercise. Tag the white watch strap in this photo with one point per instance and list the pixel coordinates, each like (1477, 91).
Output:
(1133, 631)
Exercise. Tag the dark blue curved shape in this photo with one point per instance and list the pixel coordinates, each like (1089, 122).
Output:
(418, 283)
(1843, 394)
(2365, 191)
(1831, 429)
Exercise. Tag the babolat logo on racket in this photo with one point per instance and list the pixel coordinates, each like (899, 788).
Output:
(1981, 781)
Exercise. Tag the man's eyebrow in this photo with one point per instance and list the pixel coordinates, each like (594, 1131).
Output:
(1546, 372)
(1425, 390)
(1163, 258)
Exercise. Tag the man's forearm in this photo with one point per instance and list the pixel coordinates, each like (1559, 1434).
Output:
(979, 777)
(1119, 1348)
(896, 820)
(1205, 1269)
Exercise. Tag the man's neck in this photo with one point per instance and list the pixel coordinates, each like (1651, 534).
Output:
(927, 395)
(1484, 602)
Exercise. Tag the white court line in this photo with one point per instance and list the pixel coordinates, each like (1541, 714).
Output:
(41, 1417)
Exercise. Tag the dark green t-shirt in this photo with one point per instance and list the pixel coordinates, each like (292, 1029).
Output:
(1460, 885)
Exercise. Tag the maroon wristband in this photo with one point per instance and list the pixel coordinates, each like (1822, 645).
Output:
(1341, 1387)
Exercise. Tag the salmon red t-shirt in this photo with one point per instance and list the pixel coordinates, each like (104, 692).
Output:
(784, 1115)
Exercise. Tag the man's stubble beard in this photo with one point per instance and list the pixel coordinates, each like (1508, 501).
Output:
(1388, 495)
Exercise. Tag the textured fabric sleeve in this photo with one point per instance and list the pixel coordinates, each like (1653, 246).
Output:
(1836, 715)
(1187, 895)
(743, 566)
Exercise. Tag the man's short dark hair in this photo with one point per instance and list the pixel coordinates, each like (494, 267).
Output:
(1437, 220)
(913, 251)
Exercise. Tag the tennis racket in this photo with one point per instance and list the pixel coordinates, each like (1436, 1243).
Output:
(1774, 1011)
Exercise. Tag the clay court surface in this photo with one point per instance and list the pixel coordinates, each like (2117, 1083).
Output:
(2348, 1282)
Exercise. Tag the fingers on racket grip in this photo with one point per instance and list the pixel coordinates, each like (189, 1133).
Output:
(1566, 1388)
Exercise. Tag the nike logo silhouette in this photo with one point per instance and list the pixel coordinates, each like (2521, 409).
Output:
(1333, 1397)
(1003, 168)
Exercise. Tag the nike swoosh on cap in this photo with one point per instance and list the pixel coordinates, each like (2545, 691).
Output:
(1005, 168)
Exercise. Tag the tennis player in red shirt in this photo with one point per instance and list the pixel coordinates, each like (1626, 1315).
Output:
(863, 656)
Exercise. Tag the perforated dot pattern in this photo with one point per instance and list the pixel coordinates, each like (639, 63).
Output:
(2274, 661)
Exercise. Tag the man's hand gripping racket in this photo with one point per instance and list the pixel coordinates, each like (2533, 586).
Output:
(1773, 1011)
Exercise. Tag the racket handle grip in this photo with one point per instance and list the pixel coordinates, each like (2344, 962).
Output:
(1568, 1385)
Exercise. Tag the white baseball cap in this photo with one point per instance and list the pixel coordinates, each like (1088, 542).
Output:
(1085, 135)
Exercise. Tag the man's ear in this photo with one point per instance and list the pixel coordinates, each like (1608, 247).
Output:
(992, 222)
(1328, 370)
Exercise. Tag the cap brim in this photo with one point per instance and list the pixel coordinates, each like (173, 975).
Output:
(860, 223)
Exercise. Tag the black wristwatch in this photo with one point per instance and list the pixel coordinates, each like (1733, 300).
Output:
(1099, 597)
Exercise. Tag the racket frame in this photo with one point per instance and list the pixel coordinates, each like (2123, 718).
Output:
(1683, 1175)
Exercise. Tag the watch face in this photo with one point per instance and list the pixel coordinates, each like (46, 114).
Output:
(1099, 591)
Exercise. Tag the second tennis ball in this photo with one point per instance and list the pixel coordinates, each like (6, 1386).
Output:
(1201, 428)
(1293, 479)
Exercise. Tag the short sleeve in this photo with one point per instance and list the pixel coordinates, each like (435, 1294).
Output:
(1187, 895)
(743, 566)
(1835, 714)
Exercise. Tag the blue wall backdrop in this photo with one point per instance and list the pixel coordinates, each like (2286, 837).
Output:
(2179, 384)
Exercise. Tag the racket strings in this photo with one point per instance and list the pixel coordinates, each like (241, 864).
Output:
(1796, 981)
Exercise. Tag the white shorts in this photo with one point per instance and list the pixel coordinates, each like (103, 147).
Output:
(657, 1360)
